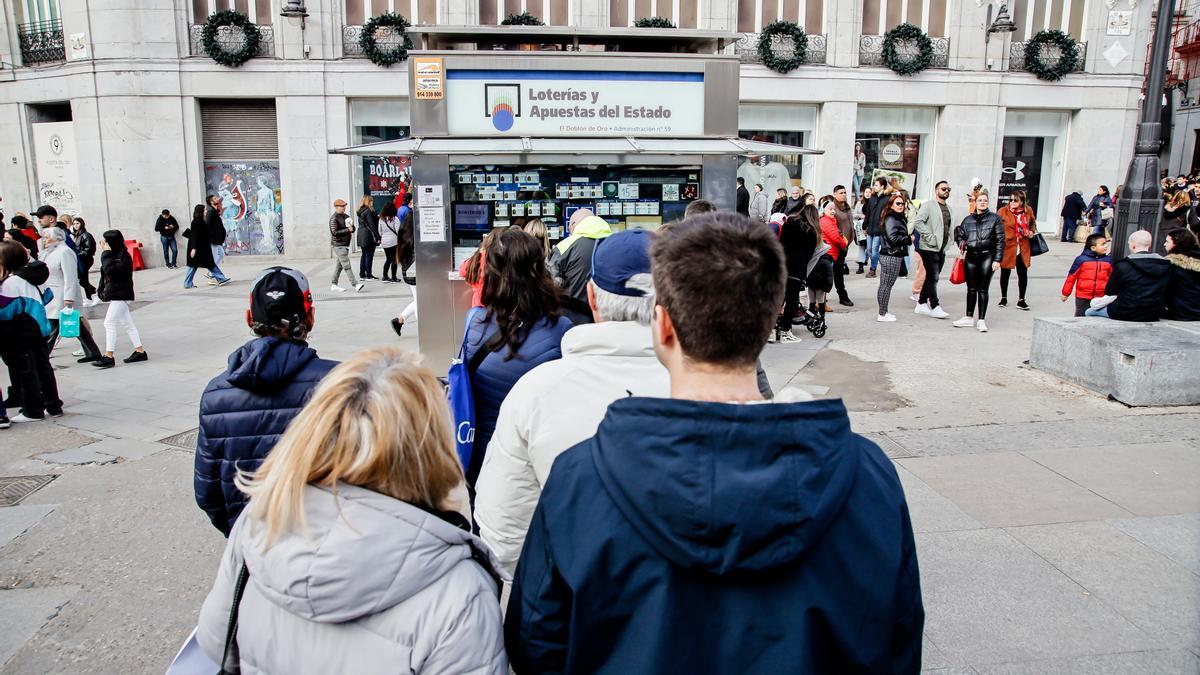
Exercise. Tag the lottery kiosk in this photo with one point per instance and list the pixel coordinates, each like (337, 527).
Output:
(509, 124)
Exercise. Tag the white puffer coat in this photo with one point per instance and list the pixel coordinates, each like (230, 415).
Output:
(377, 586)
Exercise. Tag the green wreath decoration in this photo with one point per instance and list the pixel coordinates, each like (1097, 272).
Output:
(891, 58)
(654, 22)
(522, 19)
(1067, 62)
(228, 17)
(766, 50)
(370, 46)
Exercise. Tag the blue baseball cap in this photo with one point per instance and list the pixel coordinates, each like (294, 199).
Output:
(617, 258)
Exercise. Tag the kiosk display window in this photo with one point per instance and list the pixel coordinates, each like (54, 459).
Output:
(485, 197)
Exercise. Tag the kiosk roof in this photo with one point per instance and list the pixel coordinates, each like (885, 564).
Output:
(468, 146)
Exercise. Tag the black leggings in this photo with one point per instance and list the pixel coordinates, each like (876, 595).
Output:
(978, 268)
(1022, 279)
(389, 262)
(791, 304)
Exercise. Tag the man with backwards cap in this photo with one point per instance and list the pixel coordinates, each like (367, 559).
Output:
(245, 409)
(560, 403)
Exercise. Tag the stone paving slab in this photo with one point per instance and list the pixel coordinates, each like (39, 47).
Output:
(1152, 479)
(989, 599)
(929, 511)
(77, 456)
(1168, 661)
(126, 447)
(1176, 537)
(1009, 489)
(15, 520)
(1147, 588)
(26, 610)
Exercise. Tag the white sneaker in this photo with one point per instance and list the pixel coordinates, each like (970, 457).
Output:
(981, 326)
(788, 336)
(95, 300)
(965, 322)
(922, 309)
(358, 287)
(914, 297)
(886, 318)
(938, 313)
(337, 289)
(77, 353)
(19, 418)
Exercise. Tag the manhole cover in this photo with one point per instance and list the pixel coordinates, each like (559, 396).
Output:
(185, 440)
(15, 488)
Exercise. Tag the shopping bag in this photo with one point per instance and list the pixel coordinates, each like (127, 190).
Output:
(191, 660)
(958, 273)
(68, 323)
(460, 396)
(1038, 245)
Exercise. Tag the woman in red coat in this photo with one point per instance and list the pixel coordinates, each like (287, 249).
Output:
(1019, 227)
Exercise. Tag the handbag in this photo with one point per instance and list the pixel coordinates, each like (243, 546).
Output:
(68, 323)
(1106, 213)
(191, 659)
(958, 273)
(1038, 245)
(460, 395)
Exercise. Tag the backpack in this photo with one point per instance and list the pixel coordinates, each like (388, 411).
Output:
(460, 395)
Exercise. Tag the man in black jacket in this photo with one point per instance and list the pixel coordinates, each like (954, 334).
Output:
(1072, 212)
(166, 226)
(743, 197)
(1139, 281)
(216, 228)
(340, 231)
(872, 224)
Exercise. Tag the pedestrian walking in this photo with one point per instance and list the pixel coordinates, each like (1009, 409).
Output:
(200, 251)
(245, 410)
(216, 232)
(1072, 212)
(1101, 210)
(621, 530)
(116, 288)
(1020, 226)
(368, 236)
(980, 237)
(33, 387)
(894, 241)
(166, 226)
(760, 206)
(85, 246)
(799, 239)
(932, 226)
(844, 216)
(66, 294)
(406, 246)
(340, 231)
(743, 197)
(354, 554)
(1089, 274)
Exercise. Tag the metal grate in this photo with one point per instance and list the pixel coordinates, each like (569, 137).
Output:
(15, 488)
(232, 40)
(1016, 56)
(185, 440)
(41, 43)
(870, 51)
(239, 130)
(747, 49)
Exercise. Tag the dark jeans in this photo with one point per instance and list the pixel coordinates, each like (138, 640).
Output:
(365, 260)
(1081, 306)
(389, 262)
(34, 387)
(977, 264)
(1022, 279)
(839, 275)
(791, 304)
(1068, 228)
(86, 262)
(170, 250)
(933, 261)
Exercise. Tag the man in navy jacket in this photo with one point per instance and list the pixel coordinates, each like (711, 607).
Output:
(245, 409)
(712, 531)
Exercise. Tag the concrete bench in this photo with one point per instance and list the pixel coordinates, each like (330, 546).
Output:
(1138, 364)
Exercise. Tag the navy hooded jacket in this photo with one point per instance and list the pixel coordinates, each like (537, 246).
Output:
(243, 412)
(690, 537)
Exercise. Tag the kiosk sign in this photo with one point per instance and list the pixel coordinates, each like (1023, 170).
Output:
(429, 78)
(574, 103)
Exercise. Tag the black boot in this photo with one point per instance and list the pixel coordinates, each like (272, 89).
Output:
(860, 269)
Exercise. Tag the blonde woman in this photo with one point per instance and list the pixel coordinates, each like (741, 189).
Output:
(537, 229)
(356, 541)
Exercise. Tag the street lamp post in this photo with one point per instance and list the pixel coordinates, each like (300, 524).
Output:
(1140, 206)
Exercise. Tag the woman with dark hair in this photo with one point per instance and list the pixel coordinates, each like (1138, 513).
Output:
(17, 235)
(1019, 227)
(368, 236)
(981, 238)
(799, 237)
(200, 251)
(25, 329)
(1100, 210)
(521, 328)
(85, 245)
(116, 288)
(893, 248)
(389, 239)
(1183, 291)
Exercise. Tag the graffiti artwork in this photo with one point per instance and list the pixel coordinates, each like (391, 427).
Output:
(251, 205)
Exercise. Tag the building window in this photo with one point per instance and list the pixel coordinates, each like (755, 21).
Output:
(241, 168)
(754, 14)
(880, 16)
(783, 124)
(551, 12)
(373, 121)
(682, 13)
(258, 11)
(896, 144)
(1032, 16)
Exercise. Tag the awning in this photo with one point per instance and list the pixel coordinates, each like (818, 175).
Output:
(564, 146)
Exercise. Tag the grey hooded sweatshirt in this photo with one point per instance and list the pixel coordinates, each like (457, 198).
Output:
(379, 587)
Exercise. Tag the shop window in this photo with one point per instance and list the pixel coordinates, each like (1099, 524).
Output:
(752, 15)
(258, 11)
(894, 142)
(373, 121)
(772, 123)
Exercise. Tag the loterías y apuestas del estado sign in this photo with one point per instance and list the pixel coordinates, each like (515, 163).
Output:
(574, 103)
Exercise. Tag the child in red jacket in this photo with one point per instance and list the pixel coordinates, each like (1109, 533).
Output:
(1089, 273)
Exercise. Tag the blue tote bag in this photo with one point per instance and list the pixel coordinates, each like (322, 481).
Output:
(458, 391)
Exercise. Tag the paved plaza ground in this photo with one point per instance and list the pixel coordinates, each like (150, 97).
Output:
(1057, 531)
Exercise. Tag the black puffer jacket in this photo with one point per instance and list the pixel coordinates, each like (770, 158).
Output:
(339, 229)
(368, 227)
(85, 243)
(799, 241)
(1183, 293)
(1140, 284)
(981, 232)
(872, 209)
(116, 276)
(895, 236)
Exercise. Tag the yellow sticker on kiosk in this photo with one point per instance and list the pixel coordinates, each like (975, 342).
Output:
(429, 78)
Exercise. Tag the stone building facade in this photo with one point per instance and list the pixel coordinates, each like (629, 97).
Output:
(111, 106)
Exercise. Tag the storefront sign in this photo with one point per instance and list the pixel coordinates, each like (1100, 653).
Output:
(57, 173)
(430, 78)
(1021, 169)
(574, 103)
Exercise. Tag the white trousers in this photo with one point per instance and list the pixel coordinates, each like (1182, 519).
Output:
(409, 314)
(118, 316)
